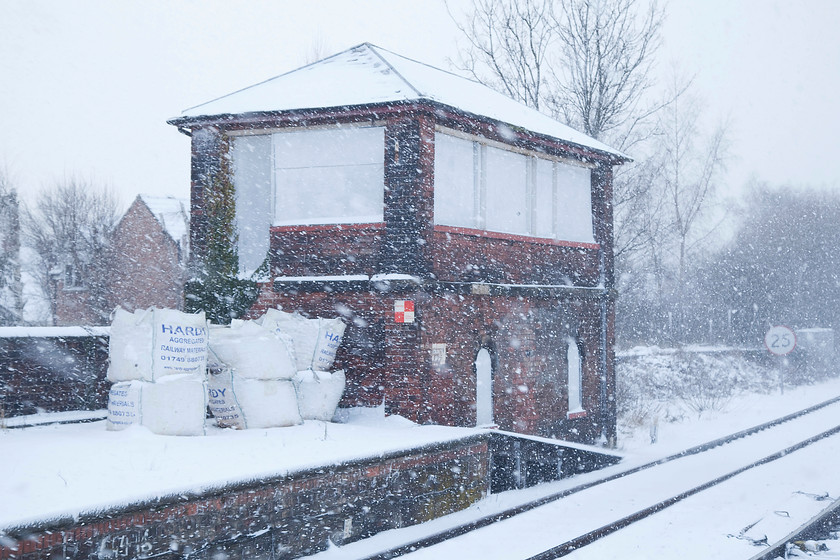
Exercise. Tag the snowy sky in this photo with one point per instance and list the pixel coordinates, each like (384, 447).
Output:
(86, 86)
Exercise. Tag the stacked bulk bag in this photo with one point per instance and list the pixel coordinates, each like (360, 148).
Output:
(250, 378)
(157, 362)
(315, 340)
(253, 351)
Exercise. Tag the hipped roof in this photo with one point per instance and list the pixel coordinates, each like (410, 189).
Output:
(370, 75)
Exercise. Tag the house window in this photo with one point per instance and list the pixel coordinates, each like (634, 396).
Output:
(506, 191)
(329, 176)
(73, 277)
(456, 182)
(483, 186)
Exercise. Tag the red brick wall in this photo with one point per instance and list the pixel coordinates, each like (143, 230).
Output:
(54, 373)
(72, 307)
(471, 255)
(527, 337)
(326, 250)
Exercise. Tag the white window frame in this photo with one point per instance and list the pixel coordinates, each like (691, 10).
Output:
(479, 190)
(275, 134)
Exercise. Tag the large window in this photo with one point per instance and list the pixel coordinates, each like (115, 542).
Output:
(305, 177)
(483, 186)
(251, 156)
(506, 192)
(456, 182)
(329, 176)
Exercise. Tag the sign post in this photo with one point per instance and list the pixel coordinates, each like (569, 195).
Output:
(780, 341)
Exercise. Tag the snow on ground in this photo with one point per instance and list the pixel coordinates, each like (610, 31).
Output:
(65, 470)
(44, 418)
(740, 412)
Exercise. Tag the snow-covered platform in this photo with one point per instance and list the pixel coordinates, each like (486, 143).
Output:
(78, 487)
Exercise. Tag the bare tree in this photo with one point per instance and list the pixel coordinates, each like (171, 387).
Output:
(69, 229)
(508, 49)
(317, 49)
(691, 166)
(11, 286)
(607, 49)
(586, 61)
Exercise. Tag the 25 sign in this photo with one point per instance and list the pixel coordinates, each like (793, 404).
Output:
(780, 340)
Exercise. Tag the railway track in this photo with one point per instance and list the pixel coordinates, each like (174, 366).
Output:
(431, 542)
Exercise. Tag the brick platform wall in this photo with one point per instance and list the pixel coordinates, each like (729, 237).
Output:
(283, 518)
(53, 373)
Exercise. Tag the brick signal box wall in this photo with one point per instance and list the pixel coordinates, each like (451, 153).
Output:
(519, 297)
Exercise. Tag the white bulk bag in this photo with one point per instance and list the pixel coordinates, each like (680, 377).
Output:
(130, 345)
(174, 405)
(238, 402)
(315, 341)
(222, 400)
(330, 333)
(253, 351)
(150, 344)
(319, 393)
(124, 405)
(180, 342)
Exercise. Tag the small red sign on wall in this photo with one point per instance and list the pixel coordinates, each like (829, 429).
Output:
(403, 311)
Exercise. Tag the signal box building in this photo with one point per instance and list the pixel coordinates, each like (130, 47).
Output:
(466, 239)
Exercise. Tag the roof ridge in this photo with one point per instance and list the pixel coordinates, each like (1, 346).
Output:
(427, 65)
(375, 50)
(280, 76)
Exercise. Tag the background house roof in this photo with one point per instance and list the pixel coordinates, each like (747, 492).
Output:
(367, 74)
(173, 215)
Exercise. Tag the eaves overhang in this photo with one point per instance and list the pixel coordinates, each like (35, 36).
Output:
(477, 124)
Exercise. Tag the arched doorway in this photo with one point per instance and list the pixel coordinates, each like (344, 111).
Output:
(483, 388)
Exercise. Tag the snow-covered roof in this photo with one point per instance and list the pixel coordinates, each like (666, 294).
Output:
(367, 74)
(172, 214)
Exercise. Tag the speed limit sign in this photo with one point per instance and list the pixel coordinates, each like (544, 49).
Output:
(780, 340)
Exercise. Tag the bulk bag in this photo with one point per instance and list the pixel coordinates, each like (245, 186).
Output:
(315, 341)
(318, 393)
(149, 344)
(253, 351)
(242, 403)
(175, 405)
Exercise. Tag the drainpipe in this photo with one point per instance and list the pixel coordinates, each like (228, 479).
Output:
(603, 303)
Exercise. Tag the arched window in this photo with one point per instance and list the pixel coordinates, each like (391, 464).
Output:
(575, 372)
(483, 388)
